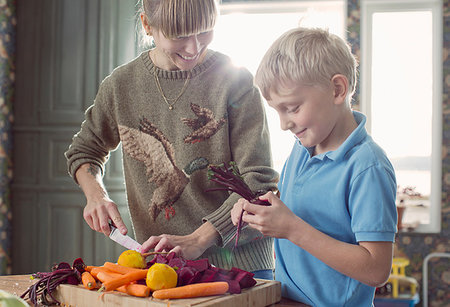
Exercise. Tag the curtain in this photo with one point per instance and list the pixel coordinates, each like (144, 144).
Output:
(7, 76)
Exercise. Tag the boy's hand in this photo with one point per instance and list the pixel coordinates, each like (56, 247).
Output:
(273, 221)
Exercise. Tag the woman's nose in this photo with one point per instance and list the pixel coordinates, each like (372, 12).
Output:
(193, 45)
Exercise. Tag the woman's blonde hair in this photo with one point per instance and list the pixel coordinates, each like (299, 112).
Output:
(180, 17)
(310, 56)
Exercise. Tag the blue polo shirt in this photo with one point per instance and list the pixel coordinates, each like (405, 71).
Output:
(348, 194)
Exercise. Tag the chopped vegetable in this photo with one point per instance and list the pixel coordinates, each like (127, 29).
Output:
(88, 281)
(201, 271)
(227, 175)
(194, 290)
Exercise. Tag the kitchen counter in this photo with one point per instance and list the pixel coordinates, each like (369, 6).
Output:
(17, 284)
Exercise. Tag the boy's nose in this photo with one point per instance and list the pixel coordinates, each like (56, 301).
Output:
(286, 124)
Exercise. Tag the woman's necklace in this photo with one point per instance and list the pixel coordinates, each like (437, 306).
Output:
(169, 101)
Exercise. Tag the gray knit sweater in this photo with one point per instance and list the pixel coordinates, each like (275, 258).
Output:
(219, 118)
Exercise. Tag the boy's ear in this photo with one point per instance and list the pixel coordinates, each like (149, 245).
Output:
(340, 87)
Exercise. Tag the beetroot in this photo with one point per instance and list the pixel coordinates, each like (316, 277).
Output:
(227, 175)
(198, 271)
(41, 292)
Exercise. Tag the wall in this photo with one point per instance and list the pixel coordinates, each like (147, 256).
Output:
(7, 78)
(413, 246)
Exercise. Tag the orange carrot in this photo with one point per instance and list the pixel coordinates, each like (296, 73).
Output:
(119, 268)
(192, 290)
(104, 276)
(135, 290)
(123, 280)
(89, 267)
(96, 270)
(88, 281)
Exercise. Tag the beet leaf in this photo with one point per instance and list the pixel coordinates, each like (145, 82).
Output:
(229, 177)
(41, 292)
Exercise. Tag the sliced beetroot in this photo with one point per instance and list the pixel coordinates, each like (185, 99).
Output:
(200, 264)
(208, 275)
(185, 275)
(244, 278)
(234, 287)
(170, 256)
(177, 262)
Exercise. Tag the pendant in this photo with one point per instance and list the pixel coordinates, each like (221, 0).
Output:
(170, 107)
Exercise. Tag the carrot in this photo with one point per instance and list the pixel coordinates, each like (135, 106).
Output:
(113, 284)
(88, 280)
(104, 276)
(135, 290)
(95, 271)
(192, 290)
(119, 268)
(89, 267)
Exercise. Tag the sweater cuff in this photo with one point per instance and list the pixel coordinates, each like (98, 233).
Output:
(221, 220)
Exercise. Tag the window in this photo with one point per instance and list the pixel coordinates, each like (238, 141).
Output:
(246, 30)
(401, 94)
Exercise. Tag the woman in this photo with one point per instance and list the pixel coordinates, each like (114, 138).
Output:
(177, 108)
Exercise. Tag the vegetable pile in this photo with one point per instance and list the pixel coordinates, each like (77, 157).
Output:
(228, 175)
(193, 278)
(201, 271)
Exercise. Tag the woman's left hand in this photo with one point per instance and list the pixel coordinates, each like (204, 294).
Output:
(189, 246)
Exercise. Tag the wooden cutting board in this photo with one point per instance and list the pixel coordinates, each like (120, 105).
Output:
(264, 293)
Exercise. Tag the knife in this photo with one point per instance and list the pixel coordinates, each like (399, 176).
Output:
(124, 240)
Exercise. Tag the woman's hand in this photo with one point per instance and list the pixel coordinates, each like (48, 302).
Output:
(189, 246)
(99, 208)
(275, 221)
(97, 214)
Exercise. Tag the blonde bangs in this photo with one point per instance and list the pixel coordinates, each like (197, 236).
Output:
(184, 18)
(307, 56)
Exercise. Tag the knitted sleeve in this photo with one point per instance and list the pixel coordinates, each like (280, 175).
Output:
(250, 148)
(98, 134)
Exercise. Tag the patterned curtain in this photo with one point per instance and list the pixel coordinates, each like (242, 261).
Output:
(7, 75)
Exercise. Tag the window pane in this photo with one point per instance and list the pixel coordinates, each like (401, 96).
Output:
(402, 101)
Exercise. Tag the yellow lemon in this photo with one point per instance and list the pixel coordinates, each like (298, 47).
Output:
(132, 259)
(161, 276)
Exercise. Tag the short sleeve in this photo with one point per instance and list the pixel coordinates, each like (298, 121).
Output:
(372, 204)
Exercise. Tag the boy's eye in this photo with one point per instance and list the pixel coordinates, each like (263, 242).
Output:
(293, 110)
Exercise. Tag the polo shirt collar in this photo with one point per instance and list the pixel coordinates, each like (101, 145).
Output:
(356, 137)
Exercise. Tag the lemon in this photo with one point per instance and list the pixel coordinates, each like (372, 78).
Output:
(161, 276)
(132, 259)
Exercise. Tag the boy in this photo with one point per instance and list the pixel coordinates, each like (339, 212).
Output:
(335, 223)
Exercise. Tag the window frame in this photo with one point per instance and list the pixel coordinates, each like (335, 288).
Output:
(368, 8)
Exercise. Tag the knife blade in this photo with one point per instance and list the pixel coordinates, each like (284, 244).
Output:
(124, 240)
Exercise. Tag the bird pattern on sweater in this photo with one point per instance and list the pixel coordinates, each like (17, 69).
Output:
(151, 147)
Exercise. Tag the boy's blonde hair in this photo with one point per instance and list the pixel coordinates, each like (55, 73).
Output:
(181, 17)
(308, 56)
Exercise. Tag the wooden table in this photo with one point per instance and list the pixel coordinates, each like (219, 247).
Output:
(17, 284)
